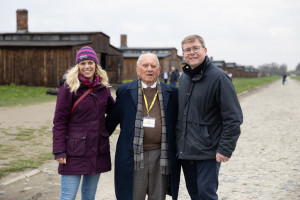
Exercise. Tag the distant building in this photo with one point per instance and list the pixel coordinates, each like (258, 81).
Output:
(263, 74)
(251, 72)
(240, 71)
(219, 63)
(231, 69)
(182, 61)
(167, 57)
(41, 58)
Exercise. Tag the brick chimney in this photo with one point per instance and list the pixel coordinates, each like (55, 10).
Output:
(22, 21)
(123, 40)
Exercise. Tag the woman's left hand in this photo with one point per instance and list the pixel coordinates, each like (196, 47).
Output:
(62, 160)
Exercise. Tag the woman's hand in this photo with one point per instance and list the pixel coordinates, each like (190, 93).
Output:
(62, 160)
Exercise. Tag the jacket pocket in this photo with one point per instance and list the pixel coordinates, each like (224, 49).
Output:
(203, 129)
(104, 146)
(76, 144)
(198, 135)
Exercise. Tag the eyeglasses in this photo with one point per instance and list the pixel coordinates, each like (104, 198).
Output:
(189, 50)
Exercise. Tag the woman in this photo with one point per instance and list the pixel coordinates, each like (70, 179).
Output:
(80, 139)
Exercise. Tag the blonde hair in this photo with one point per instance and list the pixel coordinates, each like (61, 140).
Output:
(74, 83)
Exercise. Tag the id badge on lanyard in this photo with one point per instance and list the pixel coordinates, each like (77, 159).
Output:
(149, 122)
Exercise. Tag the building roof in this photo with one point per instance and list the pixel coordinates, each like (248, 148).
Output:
(219, 62)
(52, 33)
(136, 55)
(49, 39)
(241, 68)
(230, 65)
(251, 69)
(146, 48)
(43, 43)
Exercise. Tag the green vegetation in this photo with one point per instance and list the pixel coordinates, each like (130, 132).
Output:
(243, 84)
(22, 164)
(24, 148)
(5, 149)
(296, 78)
(24, 135)
(12, 95)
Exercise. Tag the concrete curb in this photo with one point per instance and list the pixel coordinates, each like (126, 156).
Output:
(26, 175)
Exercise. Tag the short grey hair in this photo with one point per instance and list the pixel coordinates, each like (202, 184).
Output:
(142, 55)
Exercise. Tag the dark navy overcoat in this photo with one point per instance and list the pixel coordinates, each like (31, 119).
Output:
(124, 113)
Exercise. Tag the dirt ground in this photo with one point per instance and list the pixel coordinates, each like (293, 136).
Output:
(265, 165)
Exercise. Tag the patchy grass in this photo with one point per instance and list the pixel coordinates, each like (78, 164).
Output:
(5, 150)
(243, 84)
(296, 78)
(5, 132)
(22, 164)
(24, 135)
(12, 95)
(24, 148)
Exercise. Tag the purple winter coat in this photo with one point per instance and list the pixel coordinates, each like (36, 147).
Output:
(81, 137)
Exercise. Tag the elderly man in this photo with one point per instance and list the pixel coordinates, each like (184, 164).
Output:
(145, 161)
(209, 119)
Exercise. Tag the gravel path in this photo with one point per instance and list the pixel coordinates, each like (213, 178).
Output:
(265, 165)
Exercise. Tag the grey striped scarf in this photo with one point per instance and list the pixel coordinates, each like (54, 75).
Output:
(138, 148)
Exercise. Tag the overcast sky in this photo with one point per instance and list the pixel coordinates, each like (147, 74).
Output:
(248, 32)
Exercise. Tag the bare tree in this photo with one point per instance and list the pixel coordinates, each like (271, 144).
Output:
(298, 67)
(271, 68)
(282, 69)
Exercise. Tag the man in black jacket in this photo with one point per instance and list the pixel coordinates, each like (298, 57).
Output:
(209, 119)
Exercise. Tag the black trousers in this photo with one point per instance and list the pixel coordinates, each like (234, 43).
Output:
(201, 177)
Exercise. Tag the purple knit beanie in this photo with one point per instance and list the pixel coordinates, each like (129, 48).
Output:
(86, 53)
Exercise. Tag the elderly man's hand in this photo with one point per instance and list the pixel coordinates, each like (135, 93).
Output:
(221, 158)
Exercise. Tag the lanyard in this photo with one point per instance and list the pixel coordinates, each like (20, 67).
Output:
(146, 102)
